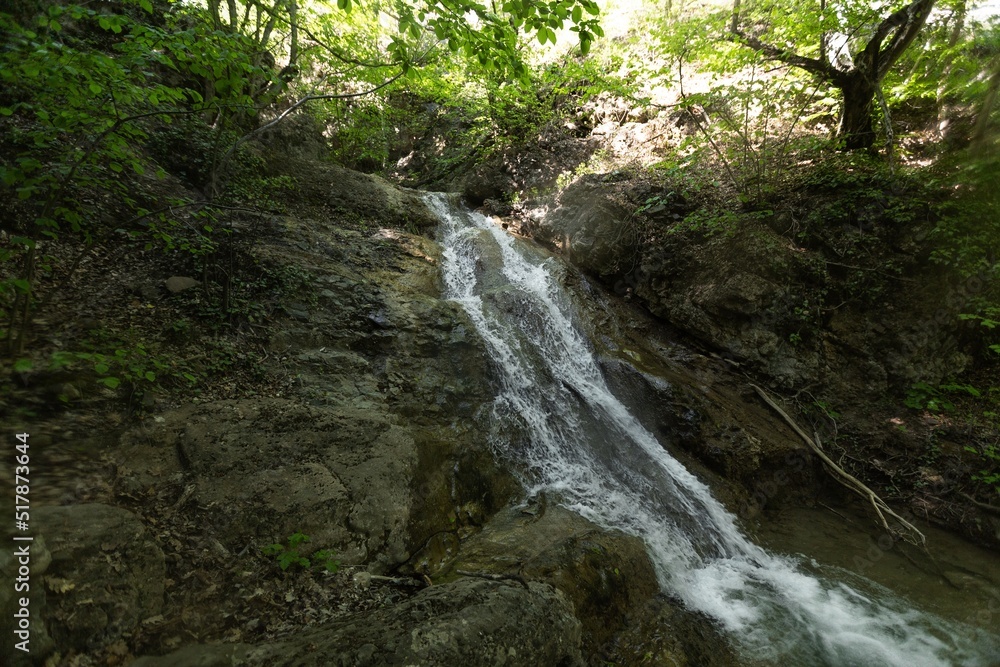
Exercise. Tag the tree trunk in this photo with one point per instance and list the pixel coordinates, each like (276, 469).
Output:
(293, 17)
(856, 118)
(979, 132)
(946, 108)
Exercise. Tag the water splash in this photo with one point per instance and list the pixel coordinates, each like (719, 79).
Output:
(579, 443)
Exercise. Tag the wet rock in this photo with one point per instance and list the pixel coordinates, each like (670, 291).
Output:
(377, 449)
(604, 574)
(297, 312)
(533, 166)
(324, 190)
(468, 622)
(594, 229)
(664, 633)
(274, 467)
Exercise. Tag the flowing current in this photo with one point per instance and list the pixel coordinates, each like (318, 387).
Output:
(576, 441)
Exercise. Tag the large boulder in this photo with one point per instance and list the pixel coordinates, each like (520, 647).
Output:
(604, 574)
(594, 228)
(375, 448)
(468, 622)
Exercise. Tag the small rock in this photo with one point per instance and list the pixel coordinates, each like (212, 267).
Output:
(176, 284)
(296, 311)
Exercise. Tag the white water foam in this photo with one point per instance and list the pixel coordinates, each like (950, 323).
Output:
(579, 443)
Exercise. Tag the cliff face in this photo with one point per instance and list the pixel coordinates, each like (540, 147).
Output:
(355, 414)
(363, 427)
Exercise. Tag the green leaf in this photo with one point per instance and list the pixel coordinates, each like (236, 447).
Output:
(23, 365)
(95, 88)
(150, 375)
(110, 382)
(23, 241)
(115, 167)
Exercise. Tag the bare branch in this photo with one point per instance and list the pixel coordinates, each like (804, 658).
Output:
(291, 109)
(903, 25)
(814, 65)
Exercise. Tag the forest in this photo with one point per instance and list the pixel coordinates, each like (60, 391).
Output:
(216, 208)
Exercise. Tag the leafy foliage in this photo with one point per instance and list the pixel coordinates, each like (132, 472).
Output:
(990, 474)
(288, 554)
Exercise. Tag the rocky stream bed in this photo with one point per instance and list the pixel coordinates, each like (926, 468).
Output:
(378, 450)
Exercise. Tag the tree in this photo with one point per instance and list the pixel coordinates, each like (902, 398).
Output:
(86, 88)
(850, 51)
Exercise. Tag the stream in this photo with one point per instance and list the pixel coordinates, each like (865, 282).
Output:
(574, 440)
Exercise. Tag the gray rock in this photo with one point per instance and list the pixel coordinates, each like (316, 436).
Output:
(40, 643)
(606, 575)
(177, 284)
(106, 574)
(468, 622)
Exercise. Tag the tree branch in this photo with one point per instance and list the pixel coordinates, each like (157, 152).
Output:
(904, 25)
(289, 110)
(912, 534)
(814, 65)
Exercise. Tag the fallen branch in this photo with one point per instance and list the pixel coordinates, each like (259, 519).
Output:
(308, 98)
(494, 577)
(911, 533)
(401, 581)
(980, 505)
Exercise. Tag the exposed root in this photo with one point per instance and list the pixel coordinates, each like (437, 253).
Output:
(984, 506)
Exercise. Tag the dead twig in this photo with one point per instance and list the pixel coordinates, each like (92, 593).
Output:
(495, 577)
(401, 581)
(981, 505)
(910, 533)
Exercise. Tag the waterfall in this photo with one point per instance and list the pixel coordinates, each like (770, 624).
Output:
(577, 442)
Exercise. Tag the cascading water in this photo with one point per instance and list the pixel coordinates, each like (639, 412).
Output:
(579, 443)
